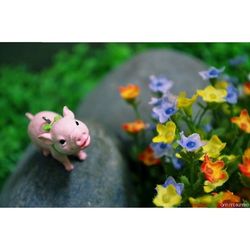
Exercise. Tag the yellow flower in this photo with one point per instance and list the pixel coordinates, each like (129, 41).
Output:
(166, 196)
(183, 101)
(206, 200)
(129, 92)
(166, 133)
(213, 147)
(211, 94)
(221, 85)
(228, 200)
(246, 154)
(243, 121)
(210, 186)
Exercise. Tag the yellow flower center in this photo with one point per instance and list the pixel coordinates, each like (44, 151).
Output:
(213, 96)
(166, 198)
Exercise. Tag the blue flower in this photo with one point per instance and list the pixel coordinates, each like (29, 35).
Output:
(161, 149)
(238, 60)
(160, 84)
(211, 73)
(171, 181)
(177, 163)
(190, 143)
(165, 111)
(232, 94)
(154, 115)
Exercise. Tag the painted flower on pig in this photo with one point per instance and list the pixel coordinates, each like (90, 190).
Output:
(243, 121)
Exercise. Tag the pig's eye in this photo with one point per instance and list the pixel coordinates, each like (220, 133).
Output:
(62, 141)
(77, 123)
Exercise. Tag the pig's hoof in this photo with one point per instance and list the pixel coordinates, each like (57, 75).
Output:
(69, 168)
(45, 152)
(82, 155)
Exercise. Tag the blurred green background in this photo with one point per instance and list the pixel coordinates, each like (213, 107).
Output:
(46, 76)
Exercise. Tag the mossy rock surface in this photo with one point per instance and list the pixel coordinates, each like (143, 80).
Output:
(102, 180)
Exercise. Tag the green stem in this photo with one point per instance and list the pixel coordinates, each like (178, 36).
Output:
(201, 116)
(135, 108)
(178, 127)
(188, 122)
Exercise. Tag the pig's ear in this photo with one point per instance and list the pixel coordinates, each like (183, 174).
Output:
(68, 112)
(45, 138)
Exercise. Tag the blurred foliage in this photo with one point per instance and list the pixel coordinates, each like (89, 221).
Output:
(70, 77)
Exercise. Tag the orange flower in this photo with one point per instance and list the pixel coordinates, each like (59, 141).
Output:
(213, 170)
(243, 121)
(134, 127)
(245, 166)
(246, 155)
(148, 158)
(246, 88)
(129, 92)
(228, 200)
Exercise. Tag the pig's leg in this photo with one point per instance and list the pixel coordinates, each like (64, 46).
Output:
(81, 155)
(63, 159)
(45, 152)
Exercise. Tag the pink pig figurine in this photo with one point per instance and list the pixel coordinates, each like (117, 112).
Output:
(60, 136)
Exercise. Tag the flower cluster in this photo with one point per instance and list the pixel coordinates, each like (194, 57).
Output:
(198, 151)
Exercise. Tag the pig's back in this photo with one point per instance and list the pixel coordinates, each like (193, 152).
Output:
(35, 127)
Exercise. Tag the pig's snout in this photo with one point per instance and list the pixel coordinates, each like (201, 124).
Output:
(82, 140)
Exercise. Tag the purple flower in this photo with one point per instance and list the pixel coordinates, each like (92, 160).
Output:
(160, 84)
(190, 143)
(238, 60)
(160, 149)
(154, 115)
(171, 181)
(155, 101)
(177, 163)
(167, 97)
(166, 109)
(211, 73)
(232, 94)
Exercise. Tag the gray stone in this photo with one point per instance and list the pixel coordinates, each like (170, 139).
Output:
(102, 180)
(104, 103)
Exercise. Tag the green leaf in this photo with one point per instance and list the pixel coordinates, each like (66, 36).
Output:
(245, 180)
(185, 180)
